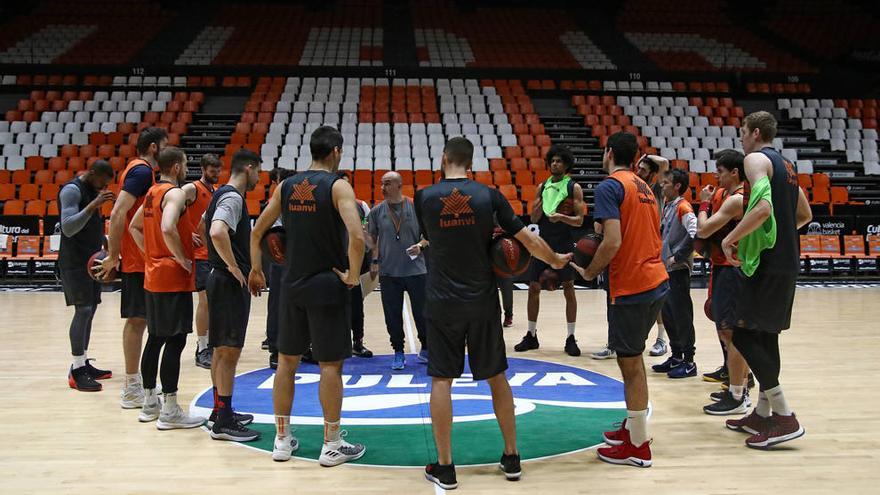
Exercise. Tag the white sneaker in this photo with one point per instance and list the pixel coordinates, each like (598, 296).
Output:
(284, 448)
(173, 418)
(132, 396)
(336, 453)
(152, 407)
(659, 348)
(605, 353)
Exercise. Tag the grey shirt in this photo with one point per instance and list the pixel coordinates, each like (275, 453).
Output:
(72, 219)
(228, 210)
(393, 260)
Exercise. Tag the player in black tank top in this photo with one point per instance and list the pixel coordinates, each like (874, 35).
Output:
(228, 243)
(556, 227)
(765, 299)
(325, 248)
(457, 217)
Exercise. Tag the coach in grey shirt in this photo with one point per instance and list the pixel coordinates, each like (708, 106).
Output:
(399, 262)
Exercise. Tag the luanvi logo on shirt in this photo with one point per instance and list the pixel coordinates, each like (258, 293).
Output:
(456, 210)
(388, 411)
(645, 194)
(302, 199)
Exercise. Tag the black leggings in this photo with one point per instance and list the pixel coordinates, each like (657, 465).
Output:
(761, 351)
(170, 372)
(81, 328)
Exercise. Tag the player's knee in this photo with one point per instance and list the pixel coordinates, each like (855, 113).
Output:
(534, 289)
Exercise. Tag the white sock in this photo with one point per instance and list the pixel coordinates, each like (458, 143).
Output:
(533, 328)
(203, 342)
(170, 403)
(763, 407)
(150, 395)
(132, 379)
(79, 361)
(637, 424)
(331, 432)
(661, 332)
(570, 325)
(777, 401)
(737, 391)
(85, 353)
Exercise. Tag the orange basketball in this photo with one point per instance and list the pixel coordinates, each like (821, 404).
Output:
(707, 308)
(274, 244)
(566, 207)
(509, 257)
(94, 265)
(585, 248)
(549, 279)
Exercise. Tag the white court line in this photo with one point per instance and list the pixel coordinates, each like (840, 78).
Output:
(408, 328)
(438, 490)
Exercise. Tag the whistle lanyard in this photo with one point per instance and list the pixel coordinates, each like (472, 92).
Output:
(397, 220)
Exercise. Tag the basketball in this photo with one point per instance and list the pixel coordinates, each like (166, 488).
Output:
(94, 265)
(566, 207)
(509, 257)
(707, 308)
(549, 279)
(274, 244)
(585, 248)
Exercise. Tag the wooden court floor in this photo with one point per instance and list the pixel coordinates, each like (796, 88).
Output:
(56, 440)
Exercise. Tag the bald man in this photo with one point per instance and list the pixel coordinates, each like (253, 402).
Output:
(399, 262)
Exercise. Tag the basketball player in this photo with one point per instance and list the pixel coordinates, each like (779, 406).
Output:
(163, 231)
(357, 297)
(765, 245)
(649, 169)
(82, 234)
(319, 214)
(458, 216)
(135, 180)
(202, 190)
(726, 206)
(679, 227)
(556, 229)
(228, 244)
(637, 286)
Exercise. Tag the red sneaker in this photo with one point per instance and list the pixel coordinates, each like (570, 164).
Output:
(508, 321)
(618, 436)
(752, 424)
(779, 429)
(627, 453)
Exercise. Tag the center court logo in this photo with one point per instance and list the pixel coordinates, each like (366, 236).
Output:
(560, 409)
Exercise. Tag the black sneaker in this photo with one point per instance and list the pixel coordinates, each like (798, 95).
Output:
(528, 343)
(510, 465)
(242, 419)
(719, 375)
(265, 344)
(308, 358)
(204, 357)
(442, 476)
(571, 346)
(717, 396)
(726, 384)
(728, 405)
(80, 379)
(98, 374)
(233, 431)
(359, 350)
(273, 360)
(666, 366)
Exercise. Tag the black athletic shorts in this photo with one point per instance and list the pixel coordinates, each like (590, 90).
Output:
(483, 338)
(537, 266)
(230, 305)
(725, 288)
(630, 324)
(765, 300)
(203, 269)
(79, 288)
(133, 295)
(326, 328)
(169, 313)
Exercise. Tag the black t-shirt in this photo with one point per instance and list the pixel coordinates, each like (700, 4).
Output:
(75, 251)
(457, 217)
(784, 257)
(240, 239)
(316, 239)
